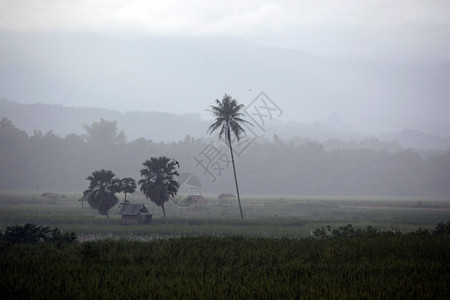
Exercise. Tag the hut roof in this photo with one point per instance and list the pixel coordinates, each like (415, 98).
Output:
(225, 196)
(131, 209)
(84, 198)
(198, 198)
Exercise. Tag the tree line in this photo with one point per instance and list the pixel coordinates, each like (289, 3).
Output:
(45, 161)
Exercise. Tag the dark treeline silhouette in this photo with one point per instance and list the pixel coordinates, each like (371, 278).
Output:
(45, 161)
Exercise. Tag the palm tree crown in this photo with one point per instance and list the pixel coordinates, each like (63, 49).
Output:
(127, 185)
(228, 118)
(101, 191)
(159, 180)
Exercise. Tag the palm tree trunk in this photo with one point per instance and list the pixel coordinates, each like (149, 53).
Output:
(164, 213)
(235, 177)
(109, 220)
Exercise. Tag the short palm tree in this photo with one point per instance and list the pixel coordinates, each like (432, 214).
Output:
(127, 185)
(159, 180)
(102, 190)
(229, 119)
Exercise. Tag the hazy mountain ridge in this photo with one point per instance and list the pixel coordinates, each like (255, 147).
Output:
(186, 75)
(157, 126)
(166, 127)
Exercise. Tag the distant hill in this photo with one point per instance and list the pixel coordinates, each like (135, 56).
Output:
(157, 126)
(167, 127)
(184, 75)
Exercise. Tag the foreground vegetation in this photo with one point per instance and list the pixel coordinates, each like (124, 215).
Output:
(380, 266)
(285, 248)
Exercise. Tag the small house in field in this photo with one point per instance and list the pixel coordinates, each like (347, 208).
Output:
(134, 214)
(50, 195)
(226, 198)
(83, 200)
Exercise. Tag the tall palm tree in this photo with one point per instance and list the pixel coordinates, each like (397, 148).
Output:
(159, 180)
(229, 119)
(101, 193)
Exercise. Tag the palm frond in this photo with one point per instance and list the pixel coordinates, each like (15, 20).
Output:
(228, 117)
(215, 125)
(237, 130)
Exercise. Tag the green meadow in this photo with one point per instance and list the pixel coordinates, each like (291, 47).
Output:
(265, 216)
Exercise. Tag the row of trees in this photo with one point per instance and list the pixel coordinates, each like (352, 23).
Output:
(158, 183)
(46, 162)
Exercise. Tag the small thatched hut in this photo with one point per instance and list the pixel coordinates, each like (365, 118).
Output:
(82, 200)
(133, 214)
(226, 198)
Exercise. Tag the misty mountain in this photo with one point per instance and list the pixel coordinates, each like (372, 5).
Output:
(62, 121)
(166, 127)
(185, 75)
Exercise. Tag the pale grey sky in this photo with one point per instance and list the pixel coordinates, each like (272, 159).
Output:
(401, 81)
(385, 30)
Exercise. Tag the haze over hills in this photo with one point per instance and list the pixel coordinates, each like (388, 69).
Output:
(169, 127)
(185, 75)
(62, 120)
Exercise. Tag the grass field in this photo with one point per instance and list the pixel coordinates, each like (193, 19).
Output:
(210, 253)
(383, 266)
(265, 216)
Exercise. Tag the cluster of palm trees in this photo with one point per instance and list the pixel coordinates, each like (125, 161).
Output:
(159, 175)
(158, 183)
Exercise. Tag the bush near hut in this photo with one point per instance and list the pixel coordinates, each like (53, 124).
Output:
(31, 233)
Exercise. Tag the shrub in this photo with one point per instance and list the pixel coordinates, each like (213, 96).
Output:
(343, 231)
(442, 228)
(31, 233)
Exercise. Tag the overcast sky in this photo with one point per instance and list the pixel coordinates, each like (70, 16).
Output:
(403, 75)
(384, 30)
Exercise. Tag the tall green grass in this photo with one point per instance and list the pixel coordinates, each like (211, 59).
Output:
(385, 266)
